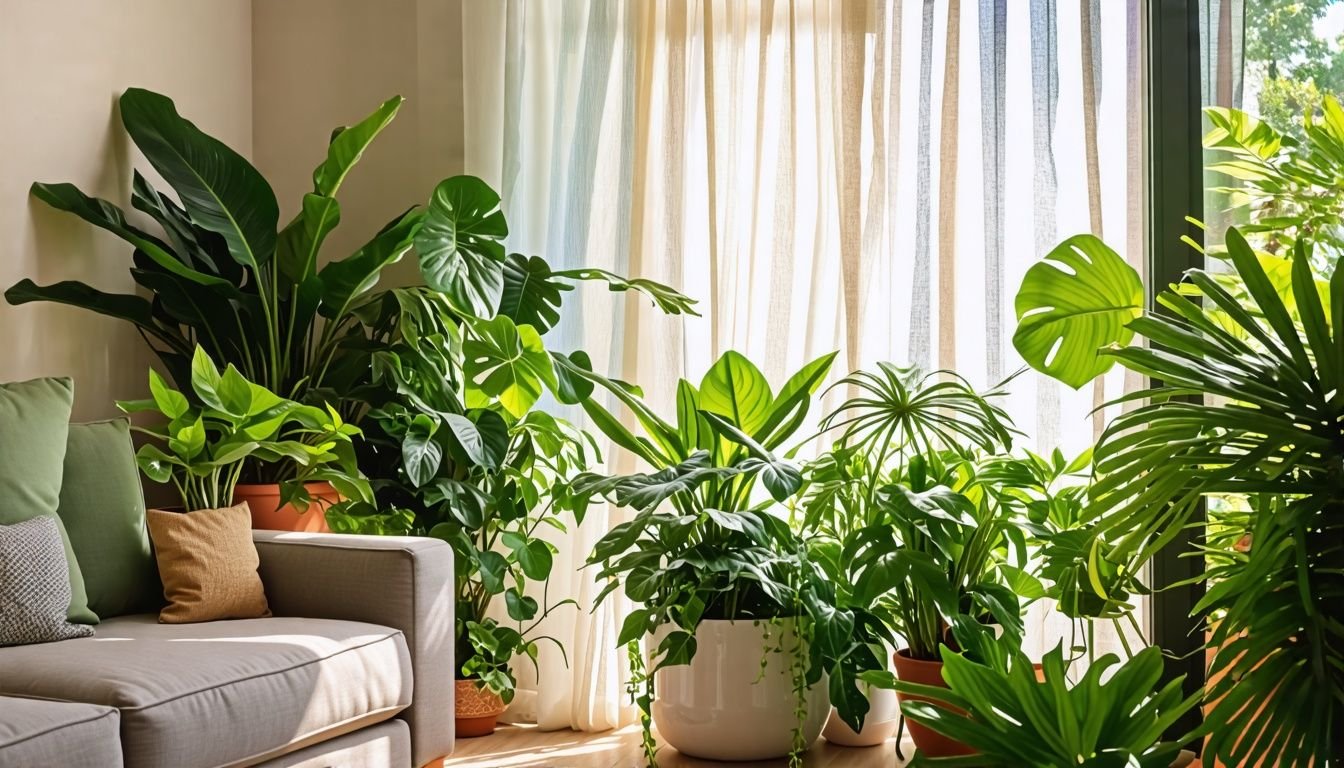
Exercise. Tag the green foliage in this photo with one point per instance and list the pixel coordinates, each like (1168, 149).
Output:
(1255, 412)
(1292, 187)
(201, 446)
(702, 545)
(1012, 719)
(1078, 298)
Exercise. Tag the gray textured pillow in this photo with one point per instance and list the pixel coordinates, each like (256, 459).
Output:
(35, 585)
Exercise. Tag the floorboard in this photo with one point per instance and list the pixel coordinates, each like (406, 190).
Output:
(516, 746)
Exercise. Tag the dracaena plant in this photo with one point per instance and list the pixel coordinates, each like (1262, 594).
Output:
(224, 274)
(202, 442)
(1249, 404)
(899, 513)
(1114, 715)
(705, 542)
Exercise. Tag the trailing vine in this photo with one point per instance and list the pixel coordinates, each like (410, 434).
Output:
(640, 689)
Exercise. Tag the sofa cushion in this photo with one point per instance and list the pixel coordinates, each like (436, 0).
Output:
(103, 509)
(34, 423)
(225, 692)
(38, 732)
(34, 585)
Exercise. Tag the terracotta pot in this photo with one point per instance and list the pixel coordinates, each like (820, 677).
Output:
(884, 715)
(475, 710)
(263, 499)
(930, 742)
(735, 700)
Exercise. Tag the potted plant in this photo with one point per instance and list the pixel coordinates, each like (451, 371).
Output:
(226, 275)
(738, 615)
(901, 514)
(1115, 714)
(200, 447)
(1248, 360)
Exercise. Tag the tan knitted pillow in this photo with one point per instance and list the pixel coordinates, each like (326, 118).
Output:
(208, 564)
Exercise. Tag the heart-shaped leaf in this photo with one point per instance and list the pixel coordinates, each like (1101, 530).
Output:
(459, 245)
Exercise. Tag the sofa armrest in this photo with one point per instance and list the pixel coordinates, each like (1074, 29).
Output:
(402, 582)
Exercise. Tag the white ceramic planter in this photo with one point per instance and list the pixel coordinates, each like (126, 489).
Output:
(884, 714)
(724, 705)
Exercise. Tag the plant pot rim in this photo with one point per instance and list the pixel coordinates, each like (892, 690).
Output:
(903, 656)
(320, 485)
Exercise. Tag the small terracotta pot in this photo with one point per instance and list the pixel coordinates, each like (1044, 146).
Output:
(263, 499)
(930, 742)
(476, 710)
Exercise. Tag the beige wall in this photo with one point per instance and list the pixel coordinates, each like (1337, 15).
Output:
(62, 65)
(271, 78)
(318, 64)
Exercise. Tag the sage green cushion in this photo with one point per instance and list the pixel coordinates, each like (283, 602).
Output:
(103, 509)
(34, 425)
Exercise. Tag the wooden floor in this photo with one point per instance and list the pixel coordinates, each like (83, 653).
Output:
(526, 747)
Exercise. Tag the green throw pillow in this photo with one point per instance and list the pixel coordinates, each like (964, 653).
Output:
(103, 509)
(34, 424)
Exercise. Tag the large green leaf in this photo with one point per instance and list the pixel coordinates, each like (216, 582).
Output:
(507, 362)
(1078, 299)
(122, 306)
(530, 295)
(737, 390)
(302, 238)
(459, 245)
(218, 187)
(100, 213)
(346, 280)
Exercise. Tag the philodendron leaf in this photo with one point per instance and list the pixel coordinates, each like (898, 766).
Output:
(459, 245)
(664, 297)
(419, 453)
(221, 191)
(1078, 299)
(530, 295)
(520, 607)
(572, 388)
(737, 390)
(507, 362)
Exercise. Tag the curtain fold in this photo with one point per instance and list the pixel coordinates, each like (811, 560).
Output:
(807, 169)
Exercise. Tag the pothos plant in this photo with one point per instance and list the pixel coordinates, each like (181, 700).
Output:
(458, 449)
(706, 543)
(200, 448)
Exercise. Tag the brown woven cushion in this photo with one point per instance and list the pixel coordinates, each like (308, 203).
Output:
(208, 565)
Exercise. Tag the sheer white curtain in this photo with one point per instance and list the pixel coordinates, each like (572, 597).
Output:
(864, 175)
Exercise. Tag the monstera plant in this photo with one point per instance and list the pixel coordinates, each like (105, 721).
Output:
(1250, 362)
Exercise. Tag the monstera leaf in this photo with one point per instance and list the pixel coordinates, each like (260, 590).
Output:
(507, 362)
(459, 245)
(1078, 299)
(530, 293)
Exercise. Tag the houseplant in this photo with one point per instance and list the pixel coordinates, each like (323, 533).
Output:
(1013, 718)
(900, 514)
(227, 277)
(200, 447)
(1249, 404)
(720, 581)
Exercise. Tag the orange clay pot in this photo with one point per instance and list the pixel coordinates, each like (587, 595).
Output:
(476, 710)
(263, 500)
(930, 742)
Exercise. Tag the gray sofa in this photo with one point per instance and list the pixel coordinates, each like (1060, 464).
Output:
(354, 669)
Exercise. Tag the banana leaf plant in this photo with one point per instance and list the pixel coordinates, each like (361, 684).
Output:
(1113, 716)
(1249, 405)
(200, 448)
(224, 274)
(707, 541)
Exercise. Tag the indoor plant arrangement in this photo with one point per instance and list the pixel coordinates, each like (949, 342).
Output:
(1249, 404)
(1014, 717)
(899, 513)
(720, 581)
(225, 256)
(200, 447)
